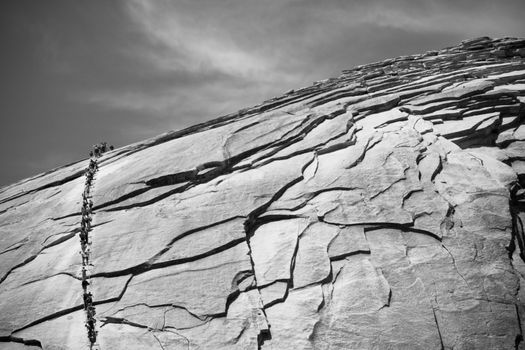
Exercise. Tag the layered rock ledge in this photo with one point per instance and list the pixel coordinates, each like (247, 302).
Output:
(382, 209)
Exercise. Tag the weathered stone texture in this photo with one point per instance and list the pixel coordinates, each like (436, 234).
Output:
(382, 209)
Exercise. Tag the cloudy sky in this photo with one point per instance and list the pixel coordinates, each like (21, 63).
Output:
(73, 73)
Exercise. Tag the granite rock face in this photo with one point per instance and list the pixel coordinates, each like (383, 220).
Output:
(382, 209)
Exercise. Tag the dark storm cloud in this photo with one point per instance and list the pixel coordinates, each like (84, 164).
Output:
(75, 73)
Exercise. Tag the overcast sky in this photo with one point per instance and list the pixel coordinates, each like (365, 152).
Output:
(73, 73)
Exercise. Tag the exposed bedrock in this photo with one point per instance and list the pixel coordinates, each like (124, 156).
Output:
(382, 209)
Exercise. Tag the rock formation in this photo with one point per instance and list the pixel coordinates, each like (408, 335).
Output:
(382, 209)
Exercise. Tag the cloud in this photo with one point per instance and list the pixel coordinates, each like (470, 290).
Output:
(199, 70)
(195, 47)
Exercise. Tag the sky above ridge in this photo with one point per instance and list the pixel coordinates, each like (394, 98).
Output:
(74, 73)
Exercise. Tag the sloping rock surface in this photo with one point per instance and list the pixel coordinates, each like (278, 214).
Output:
(382, 209)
